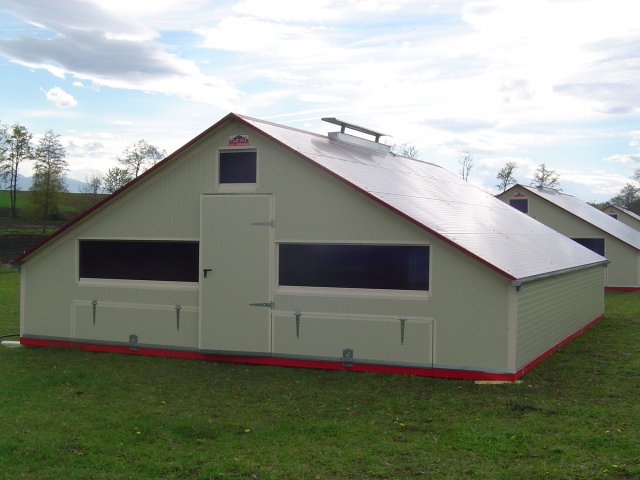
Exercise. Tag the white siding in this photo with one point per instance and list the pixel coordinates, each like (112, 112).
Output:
(552, 309)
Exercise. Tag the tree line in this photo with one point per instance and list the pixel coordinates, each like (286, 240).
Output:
(50, 166)
(628, 196)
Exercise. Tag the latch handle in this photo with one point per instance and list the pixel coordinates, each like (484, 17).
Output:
(94, 304)
(403, 320)
(297, 315)
(178, 308)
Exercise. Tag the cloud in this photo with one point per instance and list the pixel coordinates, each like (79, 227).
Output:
(627, 159)
(60, 98)
(594, 181)
(459, 124)
(90, 43)
(274, 39)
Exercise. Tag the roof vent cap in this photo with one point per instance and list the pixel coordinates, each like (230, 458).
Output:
(353, 140)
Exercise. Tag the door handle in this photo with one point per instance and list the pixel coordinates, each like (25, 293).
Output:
(206, 271)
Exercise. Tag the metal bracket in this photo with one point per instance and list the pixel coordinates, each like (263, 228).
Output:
(297, 315)
(263, 304)
(178, 308)
(403, 320)
(133, 342)
(94, 304)
(268, 223)
(347, 358)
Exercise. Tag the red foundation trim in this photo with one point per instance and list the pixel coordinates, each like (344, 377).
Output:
(273, 361)
(622, 289)
(302, 363)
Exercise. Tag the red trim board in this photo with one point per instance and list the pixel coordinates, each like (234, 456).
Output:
(622, 289)
(302, 363)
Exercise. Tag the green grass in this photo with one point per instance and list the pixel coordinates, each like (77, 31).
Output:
(21, 199)
(71, 204)
(74, 414)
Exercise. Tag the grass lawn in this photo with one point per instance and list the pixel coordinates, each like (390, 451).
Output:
(73, 414)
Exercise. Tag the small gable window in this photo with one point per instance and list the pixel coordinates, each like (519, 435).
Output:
(238, 166)
(521, 204)
(593, 244)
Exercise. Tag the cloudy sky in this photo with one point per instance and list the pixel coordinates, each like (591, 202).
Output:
(533, 81)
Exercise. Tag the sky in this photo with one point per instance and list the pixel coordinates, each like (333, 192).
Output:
(530, 81)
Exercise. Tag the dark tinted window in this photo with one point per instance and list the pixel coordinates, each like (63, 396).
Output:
(139, 260)
(391, 267)
(521, 204)
(593, 244)
(238, 167)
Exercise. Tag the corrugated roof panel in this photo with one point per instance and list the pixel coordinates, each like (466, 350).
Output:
(590, 214)
(438, 200)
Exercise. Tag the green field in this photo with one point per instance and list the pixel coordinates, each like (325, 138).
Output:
(21, 199)
(78, 415)
(71, 204)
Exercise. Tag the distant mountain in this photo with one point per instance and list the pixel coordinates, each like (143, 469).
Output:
(73, 185)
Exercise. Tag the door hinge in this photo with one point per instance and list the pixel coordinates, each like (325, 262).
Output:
(268, 223)
(263, 304)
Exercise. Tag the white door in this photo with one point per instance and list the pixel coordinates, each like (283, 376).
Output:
(235, 293)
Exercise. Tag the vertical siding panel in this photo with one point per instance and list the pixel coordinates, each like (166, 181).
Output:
(550, 310)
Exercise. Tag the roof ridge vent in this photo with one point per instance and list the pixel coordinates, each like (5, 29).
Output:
(352, 139)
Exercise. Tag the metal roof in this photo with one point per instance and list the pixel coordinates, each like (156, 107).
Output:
(474, 221)
(494, 233)
(589, 214)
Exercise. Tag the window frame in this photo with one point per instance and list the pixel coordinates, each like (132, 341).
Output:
(140, 283)
(350, 292)
(236, 185)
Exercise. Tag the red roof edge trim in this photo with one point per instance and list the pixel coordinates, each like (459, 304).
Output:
(622, 289)
(379, 201)
(21, 258)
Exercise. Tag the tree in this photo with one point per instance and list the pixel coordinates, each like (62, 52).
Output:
(48, 178)
(466, 164)
(115, 178)
(505, 176)
(627, 195)
(138, 157)
(4, 150)
(545, 178)
(91, 188)
(405, 150)
(16, 149)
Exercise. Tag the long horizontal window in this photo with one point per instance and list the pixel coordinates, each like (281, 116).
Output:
(176, 261)
(593, 244)
(388, 267)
